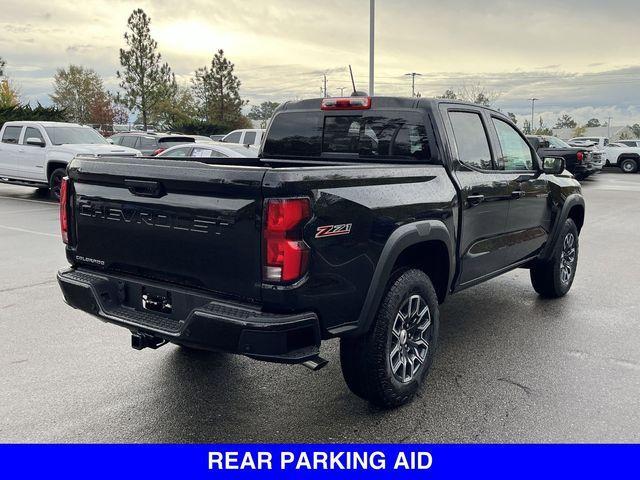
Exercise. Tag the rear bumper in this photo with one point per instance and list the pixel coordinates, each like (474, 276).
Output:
(196, 320)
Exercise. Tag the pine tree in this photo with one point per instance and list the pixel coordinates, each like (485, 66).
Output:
(145, 80)
(217, 91)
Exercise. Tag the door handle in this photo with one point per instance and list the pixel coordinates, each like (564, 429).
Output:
(474, 200)
(143, 188)
(516, 194)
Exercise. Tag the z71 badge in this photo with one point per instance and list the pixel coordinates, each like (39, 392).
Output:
(333, 230)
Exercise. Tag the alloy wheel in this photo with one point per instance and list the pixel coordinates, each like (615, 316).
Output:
(567, 258)
(410, 335)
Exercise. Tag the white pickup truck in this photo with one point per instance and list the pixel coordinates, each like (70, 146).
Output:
(36, 154)
(624, 156)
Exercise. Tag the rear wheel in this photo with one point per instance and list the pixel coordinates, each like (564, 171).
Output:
(55, 181)
(553, 278)
(388, 365)
(629, 165)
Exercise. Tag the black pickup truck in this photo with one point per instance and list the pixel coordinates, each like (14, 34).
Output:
(358, 219)
(578, 160)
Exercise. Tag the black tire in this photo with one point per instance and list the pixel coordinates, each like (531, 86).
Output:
(553, 278)
(366, 361)
(629, 165)
(55, 180)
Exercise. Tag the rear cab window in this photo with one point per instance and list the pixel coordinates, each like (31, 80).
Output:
(373, 134)
(11, 134)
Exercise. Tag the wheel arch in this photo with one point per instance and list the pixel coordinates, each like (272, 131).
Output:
(54, 165)
(573, 208)
(413, 245)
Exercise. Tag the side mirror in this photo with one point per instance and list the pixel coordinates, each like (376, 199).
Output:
(36, 142)
(553, 165)
(110, 141)
(544, 144)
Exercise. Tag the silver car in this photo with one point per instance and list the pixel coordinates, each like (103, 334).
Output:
(211, 149)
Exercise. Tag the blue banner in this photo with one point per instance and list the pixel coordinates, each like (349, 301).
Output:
(238, 461)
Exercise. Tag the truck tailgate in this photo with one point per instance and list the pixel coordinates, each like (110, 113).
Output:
(182, 222)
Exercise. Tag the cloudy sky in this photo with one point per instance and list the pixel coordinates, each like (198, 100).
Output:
(577, 56)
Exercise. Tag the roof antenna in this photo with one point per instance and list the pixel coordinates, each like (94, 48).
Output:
(355, 93)
(352, 81)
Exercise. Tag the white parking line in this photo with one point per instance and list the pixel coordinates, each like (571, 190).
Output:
(618, 188)
(28, 200)
(24, 230)
(33, 210)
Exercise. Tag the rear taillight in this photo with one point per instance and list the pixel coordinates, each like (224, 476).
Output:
(286, 255)
(580, 156)
(158, 151)
(346, 103)
(64, 216)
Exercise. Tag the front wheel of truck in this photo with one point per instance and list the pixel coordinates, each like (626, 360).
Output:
(388, 365)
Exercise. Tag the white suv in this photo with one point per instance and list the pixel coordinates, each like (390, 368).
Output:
(36, 154)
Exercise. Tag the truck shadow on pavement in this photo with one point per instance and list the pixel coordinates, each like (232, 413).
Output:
(485, 343)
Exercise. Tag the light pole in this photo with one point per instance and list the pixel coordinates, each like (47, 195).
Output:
(413, 81)
(372, 26)
(533, 101)
(341, 91)
(609, 127)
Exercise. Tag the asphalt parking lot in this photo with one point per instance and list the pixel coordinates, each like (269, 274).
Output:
(511, 367)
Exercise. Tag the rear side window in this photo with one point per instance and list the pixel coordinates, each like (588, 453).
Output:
(387, 135)
(129, 141)
(177, 152)
(249, 138)
(471, 139)
(116, 139)
(147, 142)
(11, 134)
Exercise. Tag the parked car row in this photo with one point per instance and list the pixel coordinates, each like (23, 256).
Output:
(624, 154)
(37, 153)
(580, 161)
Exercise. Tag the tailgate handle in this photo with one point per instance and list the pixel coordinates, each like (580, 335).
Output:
(145, 188)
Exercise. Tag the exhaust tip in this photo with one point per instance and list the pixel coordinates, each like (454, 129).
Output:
(316, 363)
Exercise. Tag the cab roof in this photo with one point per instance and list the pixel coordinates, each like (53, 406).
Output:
(387, 102)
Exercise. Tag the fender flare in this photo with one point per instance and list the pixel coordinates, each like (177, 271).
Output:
(55, 164)
(402, 238)
(627, 156)
(571, 201)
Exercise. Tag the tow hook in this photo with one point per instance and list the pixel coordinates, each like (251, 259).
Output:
(144, 340)
(315, 363)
